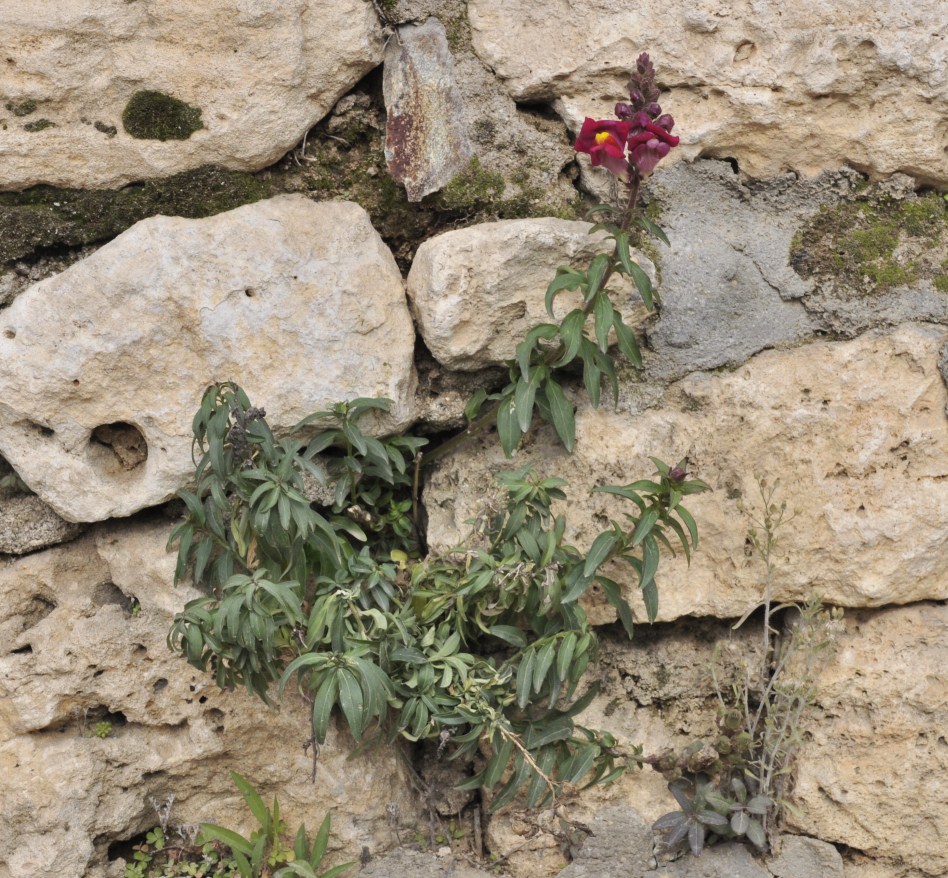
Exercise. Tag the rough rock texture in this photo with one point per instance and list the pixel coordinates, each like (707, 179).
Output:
(28, 524)
(103, 365)
(405, 863)
(724, 861)
(75, 650)
(619, 845)
(476, 292)
(855, 430)
(727, 288)
(250, 77)
(873, 772)
(798, 88)
(802, 857)
(427, 141)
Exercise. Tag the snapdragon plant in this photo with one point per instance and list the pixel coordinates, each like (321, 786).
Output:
(482, 648)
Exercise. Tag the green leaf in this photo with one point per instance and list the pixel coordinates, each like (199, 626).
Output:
(352, 702)
(598, 552)
(561, 411)
(543, 664)
(597, 271)
(644, 285)
(564, 656)
(650, 596)
(626, 339)
(740, 820)
(760, 805)
(566, 279)
(755, 832)
(320, 843)
(685, 516)
(509, 634)
(571, 332)
(497, 763)
(474, 404)
(323, 704)
(213, 832)
(602, 312)
(256, 804)
(653, 229)
(645, 525)
(508, 427)
(614, 596)
(525, 678)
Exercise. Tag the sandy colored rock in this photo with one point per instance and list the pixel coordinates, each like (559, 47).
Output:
(75, 651)
(805, 87)
(856, 432)
(104, 364)
(250, 78)
(476, 292)
(28, 524)
(873, 773)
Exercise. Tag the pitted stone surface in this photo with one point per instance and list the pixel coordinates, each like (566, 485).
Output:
(258, 75)
(476, 292)
(856, 432)
(300, 303)
(806, 87)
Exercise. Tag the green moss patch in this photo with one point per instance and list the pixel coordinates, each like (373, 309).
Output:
(39, 125)
(46, 216)
(21, 108)
(875, 242)
(153, 115)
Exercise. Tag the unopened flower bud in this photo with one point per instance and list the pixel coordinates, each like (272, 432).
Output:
(636, 96)
(676, 475)
(667, 122)
(623, 111)
(653, 109)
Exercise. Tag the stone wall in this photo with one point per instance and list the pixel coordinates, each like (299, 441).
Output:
(241, 192)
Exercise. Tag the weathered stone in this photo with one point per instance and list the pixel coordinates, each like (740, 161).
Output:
(802, 857)
(727, 289)
(619, 845)
(871, 775)
(426, 139)
(801, 88)
(134, 91)
(28, 524)
(720, 861)
(406, 863)
(855, 431)
(82, 640)
(300, 303)
(476, 292)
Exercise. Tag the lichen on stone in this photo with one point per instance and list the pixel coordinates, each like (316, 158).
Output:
(874, 242)
(154, 115)
(38, 125)
(22, 108)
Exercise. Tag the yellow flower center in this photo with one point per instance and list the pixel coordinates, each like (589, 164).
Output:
(603, 137)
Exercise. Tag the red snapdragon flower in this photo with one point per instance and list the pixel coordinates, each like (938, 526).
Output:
(605, 142)
(650, 142)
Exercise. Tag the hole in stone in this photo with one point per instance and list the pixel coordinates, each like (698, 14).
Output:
(41, 429)
(138, 649)
(202, 699)
(733, 163)
(118, 447)
(744, 51)
(75, 382)
(9, 333)
(215, 719)
(38, 609)
(109, 593)
(22, 650)
(158, 685)
(250, 292)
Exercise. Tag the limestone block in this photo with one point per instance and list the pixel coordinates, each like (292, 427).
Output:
(856, 431)
(476, 292)
(97, 94)
(806, 88)
(873, 772)
(28, 524)
(104, 364)
(82, 639)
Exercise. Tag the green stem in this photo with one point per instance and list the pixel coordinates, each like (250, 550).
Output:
(489, 417)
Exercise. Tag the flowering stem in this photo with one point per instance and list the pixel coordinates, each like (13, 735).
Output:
(489, 416)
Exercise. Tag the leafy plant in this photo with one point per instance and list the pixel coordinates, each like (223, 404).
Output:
(484, 647)
(738, 784)
(102, 729)
(266, 850)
